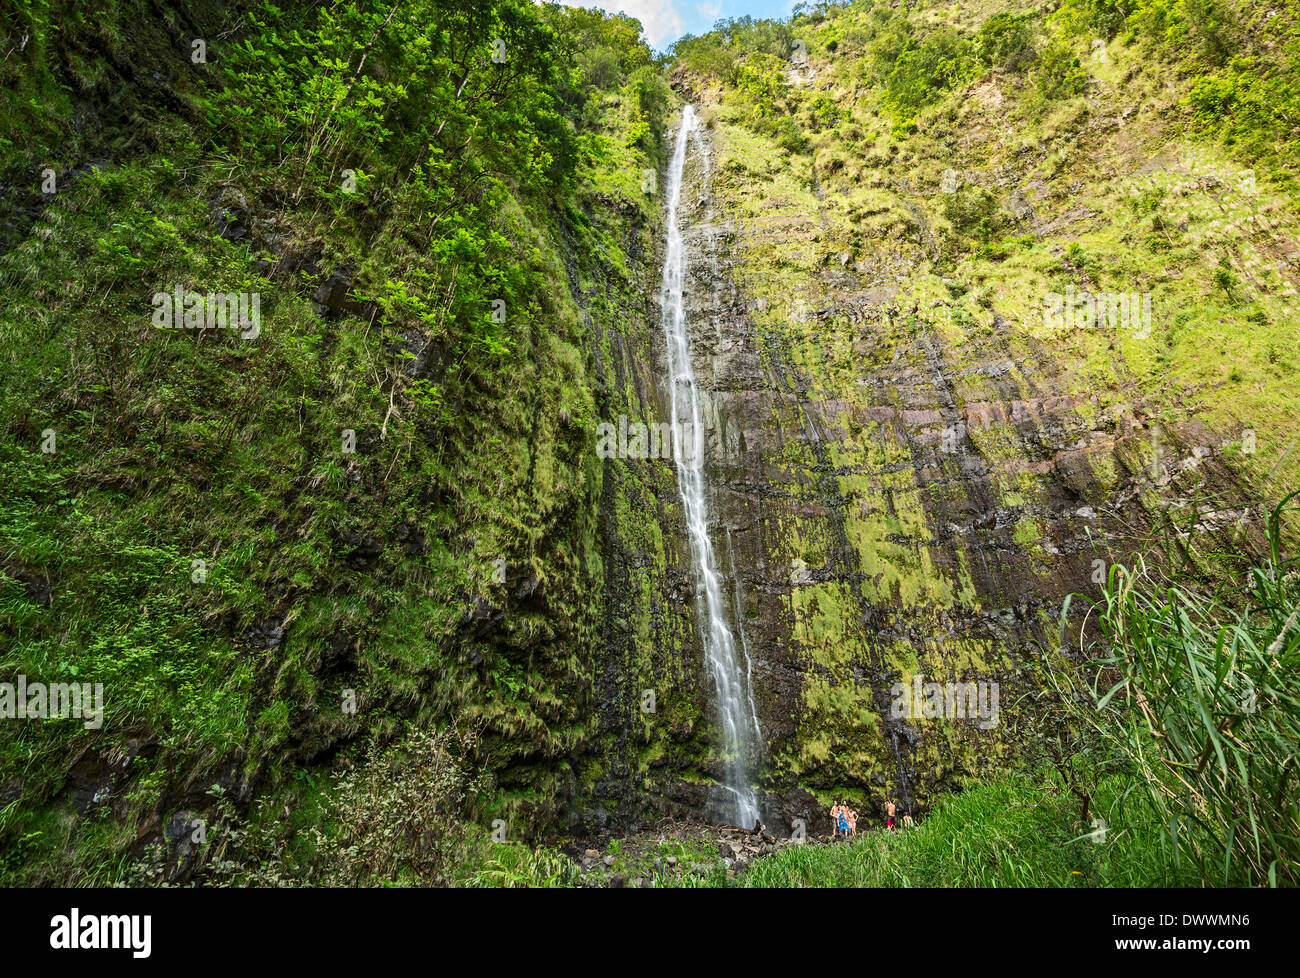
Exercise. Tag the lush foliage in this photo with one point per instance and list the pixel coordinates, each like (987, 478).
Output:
(231, 535)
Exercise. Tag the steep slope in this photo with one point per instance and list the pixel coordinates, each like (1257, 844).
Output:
(382, 510)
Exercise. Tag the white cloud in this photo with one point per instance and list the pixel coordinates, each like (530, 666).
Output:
(661, 19)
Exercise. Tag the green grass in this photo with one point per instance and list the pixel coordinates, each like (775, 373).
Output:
(1013, 833)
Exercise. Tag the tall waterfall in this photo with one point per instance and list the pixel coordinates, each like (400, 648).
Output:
(737, 718)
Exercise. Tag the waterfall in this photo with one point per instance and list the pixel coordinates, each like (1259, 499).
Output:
(737, 718)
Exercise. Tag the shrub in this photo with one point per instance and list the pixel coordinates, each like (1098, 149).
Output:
(1101, 18)
(1006, 41)
(973, 211)
(1059, 75)
(923, 71)
(399, 814)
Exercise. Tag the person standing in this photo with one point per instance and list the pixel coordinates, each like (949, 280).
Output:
(842, 820)
(889, 816)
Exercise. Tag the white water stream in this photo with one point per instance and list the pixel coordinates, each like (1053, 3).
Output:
(737, 718)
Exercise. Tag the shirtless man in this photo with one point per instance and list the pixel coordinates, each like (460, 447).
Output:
(835, 820)
(907, 821)
(889, 816)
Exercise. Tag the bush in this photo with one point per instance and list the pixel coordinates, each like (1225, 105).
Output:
(1205, 28)
(1006, 41)
(1059, 75)
(973, 212)
(601, 66)
(1100, 18)
(923, 71)
(785, 131)
(398, 816)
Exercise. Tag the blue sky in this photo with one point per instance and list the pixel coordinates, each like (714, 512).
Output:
(667, 20)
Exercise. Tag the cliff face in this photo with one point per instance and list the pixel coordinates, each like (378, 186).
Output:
(897, 510)
(923, 439)
(383, 511)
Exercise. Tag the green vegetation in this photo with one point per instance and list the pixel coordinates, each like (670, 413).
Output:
(1198, 697)
(239, 537)
(1016, 832)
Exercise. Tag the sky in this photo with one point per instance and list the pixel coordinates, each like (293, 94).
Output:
(667, 20)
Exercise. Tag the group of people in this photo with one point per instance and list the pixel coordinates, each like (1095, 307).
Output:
(844, 820)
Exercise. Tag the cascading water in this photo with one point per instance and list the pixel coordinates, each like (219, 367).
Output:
(737, 719)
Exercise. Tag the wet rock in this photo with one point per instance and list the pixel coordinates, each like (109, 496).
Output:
(331, 297)
(91, 781)
(338, 654)
(181, 846)
(362, 550)
(39, 593)
(229, 214)
(11, 790)
(265, 634)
